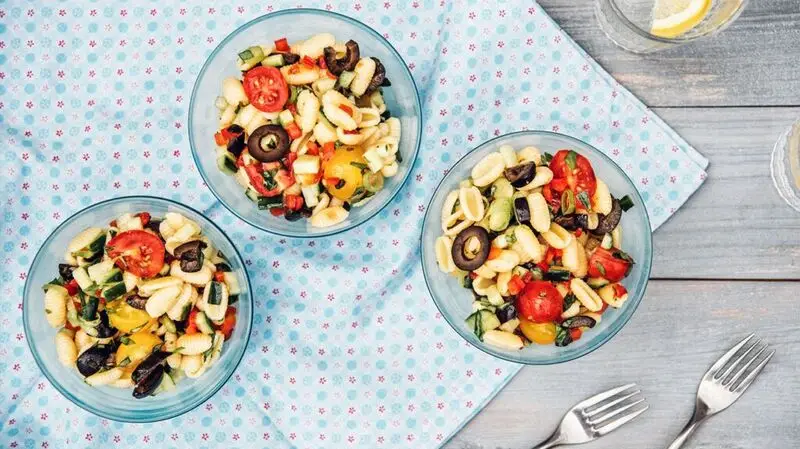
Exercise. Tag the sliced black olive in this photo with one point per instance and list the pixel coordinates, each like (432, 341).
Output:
(521, 175)
(306, 212)
(222, 266)
(191, 266)
(573, 221)
(103, 329)
(378, 77)
(191, 256)
(522, 212)
(136, 301)
(578, 321)
(608, 222)
(65, 271)
(348, 62)
(507, 313)
(460, 258)
(153, 225)
(268, 143)
(290, 58)
(235, 129)
(292, 215)
(237, 144)
(148, 365)
(146, 386)
(94, 359)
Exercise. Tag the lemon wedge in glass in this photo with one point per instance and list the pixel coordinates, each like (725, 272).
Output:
(672, 18)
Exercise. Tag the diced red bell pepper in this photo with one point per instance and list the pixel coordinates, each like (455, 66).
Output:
(219, 276)
(293, 130)
(346, 109)
(293, 202)
(327, 151)
(276, 211)
(576, 334)
(290, 158)
(191, 323)
(144, 217)
(228, 323)
(282, 45)
(220, 139)
(321, 62)
(72, 287)
(515, 285)
(292, 107)
(308, 62)
(473, 275)
(312, 148)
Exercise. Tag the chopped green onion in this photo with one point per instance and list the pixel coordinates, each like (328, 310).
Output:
(567, 202)
(626, 203)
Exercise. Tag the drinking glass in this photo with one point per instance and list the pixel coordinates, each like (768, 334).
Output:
(786, 165)
(629, 23)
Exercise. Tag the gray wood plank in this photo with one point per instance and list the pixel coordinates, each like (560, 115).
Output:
(753, 62)
(680, 329)
(736, 226)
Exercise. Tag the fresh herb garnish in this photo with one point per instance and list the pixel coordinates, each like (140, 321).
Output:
(563, 338)
(269, 179)
(125, 362)
(583, 197)
(571, 160)
(359, 165)
(600, 268)
(546, 158)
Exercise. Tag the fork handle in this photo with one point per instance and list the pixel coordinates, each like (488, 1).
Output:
(555, 439)
(700, 414)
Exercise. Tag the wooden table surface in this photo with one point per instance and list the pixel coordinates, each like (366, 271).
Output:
(727, 264)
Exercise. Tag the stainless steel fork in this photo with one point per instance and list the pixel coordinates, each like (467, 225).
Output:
(725, 382)
(597, 416)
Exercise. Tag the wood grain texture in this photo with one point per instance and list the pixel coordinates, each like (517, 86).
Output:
(680, 329)
(736, 226)
(752, 62)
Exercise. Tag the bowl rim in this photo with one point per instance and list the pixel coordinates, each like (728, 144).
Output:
(417, 104)
(186, 406)
(633, 303)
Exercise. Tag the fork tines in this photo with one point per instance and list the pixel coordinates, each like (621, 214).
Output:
(608, 411)
(737, 369)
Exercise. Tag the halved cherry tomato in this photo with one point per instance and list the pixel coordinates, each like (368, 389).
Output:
(515, 285)
(228, 323)
(293, 130)
(219, 276)
(191, 323)
(72, 287)
(293, 202)
(144, 217)
(575, 334)
(575, 169)
(494, 252)
(620, 290)
(553, 200)
(540, 302)
(282, 45)
(138, 252)
(257, 180)
(265, 88)
(612, 265)
(308, 62)
(346, 109)
(539, 333)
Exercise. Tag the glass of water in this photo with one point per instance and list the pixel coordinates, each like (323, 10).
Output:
(646, 26)
(786, 166)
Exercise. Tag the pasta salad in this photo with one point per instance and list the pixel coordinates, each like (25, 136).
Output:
(305, 129)
(141, 303)
(536, 238)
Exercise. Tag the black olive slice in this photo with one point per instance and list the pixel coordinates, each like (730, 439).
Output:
(190, 250)
(293, 215)
(608, 222)
(145, 387)
(268, 143)
(522, 212)
(65, 271)
(460, 258)
(290, 58)
(104, 330)
(348, 62)
(222, 266)
(136, 301)
(507, 313)
(578, 321)
(236, 145)
(521, 175)
(148, 365)
(573, 221)
(378, 77)
(93, 359)
(153, 225)
(235, 129)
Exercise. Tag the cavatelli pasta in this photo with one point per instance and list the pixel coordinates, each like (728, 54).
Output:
(488, 169)
(193, 344)
(104, 377)
(66, 350)
(55, 305)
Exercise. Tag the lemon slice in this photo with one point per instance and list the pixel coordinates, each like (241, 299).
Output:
(672, 18)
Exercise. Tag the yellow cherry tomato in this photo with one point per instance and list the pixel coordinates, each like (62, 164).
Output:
(124, 317)
(136, 347)
(541, 333)
(345, 165)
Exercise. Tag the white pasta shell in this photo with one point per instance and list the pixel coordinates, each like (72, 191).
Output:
(83, 239)
(471, 202)
(543, 176)
(485, 272)
(557, 237)
(192, 365)
(503, 340)
(324, 200)
(540, 213)
(506, 261)
(130, 280)
(233, 91)
(216, 349)
(331, 100)
(390, 169)
(329, 216)
(494, 296)
(55, 305)
(83, 340)
(349, 138)
(502, 282)
(444, 256)
(185, 232)
(308, 108)
(66, 349)
(364, 71)
(609, 295)
(299, 74)
(123, 382)
(369, 117)
(529, 244)
(147, 288)
(458, 228)
(198, 278)
(314, 46)
(193, 344)
(588, 297)
(174, 360)
(530, 154)
(488, 169)
(572, 311)
(449, 216)
(509, 156)
(161, 301)
(574, 259)
(324, 133)
(186, 298)
(481, 285)
(104, 377)
(601, 200)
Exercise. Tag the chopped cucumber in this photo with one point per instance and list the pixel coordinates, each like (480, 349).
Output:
(557, 274)
(346, 78)
(249, 58)
(114, 291)
(215, 297)
(253, 195)
(232, 282)
(597, 282)
(98, 271)
(89, 308)
(311, 195)
(268, 202)
(274, 60)
(607, 242)
(215, 293)
(306, 164)
(112, 277)
(94, 246)
(204, 324)
(227, 163)
(82, 278)
(482, 321)
(285, 117)
(169, 325)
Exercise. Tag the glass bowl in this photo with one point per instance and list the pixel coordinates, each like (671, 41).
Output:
(402, 100)
(116, 403)
(455, 301)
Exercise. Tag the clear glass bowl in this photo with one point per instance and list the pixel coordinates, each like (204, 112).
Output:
(115, 403)
(455, 302)
(402, 100)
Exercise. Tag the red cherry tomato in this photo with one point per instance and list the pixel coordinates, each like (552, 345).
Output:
(575, 169)
(228, 323)
(191, 323)
(257, 180)
(265, 88)
(612, 264)
(138, 252)
(540, 302)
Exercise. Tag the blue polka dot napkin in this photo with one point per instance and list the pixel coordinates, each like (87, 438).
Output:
(347, 350)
